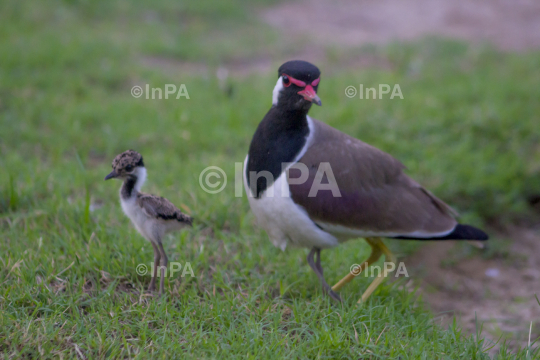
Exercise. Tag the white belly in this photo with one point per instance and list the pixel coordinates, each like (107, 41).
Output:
(284, 221)
(150, 228)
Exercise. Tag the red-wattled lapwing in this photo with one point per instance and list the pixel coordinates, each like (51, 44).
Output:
(153, 216)
(365, 194)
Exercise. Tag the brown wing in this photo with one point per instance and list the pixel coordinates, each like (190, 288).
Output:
(159, 207)
(375, 193)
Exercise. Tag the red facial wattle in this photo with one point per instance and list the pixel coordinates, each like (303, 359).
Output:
(308, 93)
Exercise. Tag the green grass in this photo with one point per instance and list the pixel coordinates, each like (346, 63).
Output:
(467, 129)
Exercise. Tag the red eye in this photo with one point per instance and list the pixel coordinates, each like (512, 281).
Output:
(286, 81)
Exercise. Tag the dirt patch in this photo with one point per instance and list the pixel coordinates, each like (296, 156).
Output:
(509, 24)
(498, 289)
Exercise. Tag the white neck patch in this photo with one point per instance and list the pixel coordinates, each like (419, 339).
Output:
(140, 172)
(277, 90)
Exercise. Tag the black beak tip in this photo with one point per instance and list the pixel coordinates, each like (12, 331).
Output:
(317, 102)
(110, 176)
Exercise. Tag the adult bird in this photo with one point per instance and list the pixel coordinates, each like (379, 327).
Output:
(310, 185)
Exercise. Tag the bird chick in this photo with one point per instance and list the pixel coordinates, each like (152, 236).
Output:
(153, 216)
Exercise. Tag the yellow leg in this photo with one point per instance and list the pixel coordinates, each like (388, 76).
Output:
(389, 257)
(376, 253)
(377, 249)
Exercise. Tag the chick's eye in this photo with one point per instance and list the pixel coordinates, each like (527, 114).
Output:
(129, 168)
(286, 80)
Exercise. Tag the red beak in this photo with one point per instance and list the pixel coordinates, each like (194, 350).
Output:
(309, 94)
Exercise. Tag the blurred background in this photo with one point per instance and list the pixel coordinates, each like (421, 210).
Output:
(467, 128)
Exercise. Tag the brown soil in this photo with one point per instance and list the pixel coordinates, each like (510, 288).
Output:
(498, 289)
(509, 24)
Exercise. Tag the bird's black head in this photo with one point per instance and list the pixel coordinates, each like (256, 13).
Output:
(127, 164)
(297, 85)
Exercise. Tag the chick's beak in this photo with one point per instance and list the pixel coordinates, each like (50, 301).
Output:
(112, 175)
(309, 94)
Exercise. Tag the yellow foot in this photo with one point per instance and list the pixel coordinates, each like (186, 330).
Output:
(377, 249)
